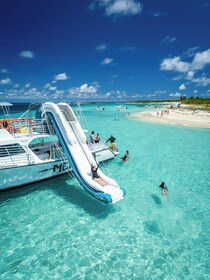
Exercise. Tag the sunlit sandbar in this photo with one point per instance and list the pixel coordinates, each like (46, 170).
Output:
(196, 118)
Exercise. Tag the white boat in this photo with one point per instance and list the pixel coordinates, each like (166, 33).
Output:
(119, 108)
(48, 141)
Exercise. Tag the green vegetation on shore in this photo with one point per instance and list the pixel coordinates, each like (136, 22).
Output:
(192, 102)
(201, 103)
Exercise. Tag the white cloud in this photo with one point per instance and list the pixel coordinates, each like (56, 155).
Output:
(96, 84)
(108, 94)
(87, 89)
(138, 95)
(101, 47)
(59, 92)
(182, 87)
(52, 88)
(61, 77)
(115, 76)
(201, 59)
(201, 81)
(27, 85)
(174, 64)
(5, 82)
(191, 52)
(177, 94)
(117, 94)
(107, 61)
(84, 89)
(4, 70)
(169, 39)
(160, 91)
(118, 7)
(189, 69)
(26, 94)
(177, 78)
(157, 13)
(128, 49)
(27, 54)
(190, 75)
(11, 94)
(149, 95)
(33, 92)
(47, 85)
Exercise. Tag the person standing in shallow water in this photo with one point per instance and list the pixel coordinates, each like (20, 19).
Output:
(164, 189)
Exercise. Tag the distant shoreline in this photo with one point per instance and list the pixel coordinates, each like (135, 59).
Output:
(184, 117)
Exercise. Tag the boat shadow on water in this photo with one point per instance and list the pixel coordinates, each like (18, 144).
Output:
(69, 190)
(20, 191)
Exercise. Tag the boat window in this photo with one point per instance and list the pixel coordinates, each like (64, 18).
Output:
(41, 140)
(11, 150)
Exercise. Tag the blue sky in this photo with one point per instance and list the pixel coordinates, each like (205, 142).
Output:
(104, 50)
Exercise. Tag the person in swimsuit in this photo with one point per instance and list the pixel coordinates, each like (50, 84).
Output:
(126, 156)
(95, 175)
(164, 189)
(92, 137)
(113, 144)
(98, 138)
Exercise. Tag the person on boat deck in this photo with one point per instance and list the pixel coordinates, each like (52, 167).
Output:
(113, 144)
(164, 189)
(96, 177)
(48, 152)
(92, 137)
(98, 138)
(126, 156)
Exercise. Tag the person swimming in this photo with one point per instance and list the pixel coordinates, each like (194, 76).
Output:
(164, 189)
(126, 156)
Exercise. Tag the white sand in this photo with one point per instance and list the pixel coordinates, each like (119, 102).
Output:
(199, 119)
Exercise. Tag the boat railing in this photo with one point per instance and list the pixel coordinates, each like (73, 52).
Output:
(29, 126)
(14, 155)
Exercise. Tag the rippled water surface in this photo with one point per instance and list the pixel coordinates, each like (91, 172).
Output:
(55, 230)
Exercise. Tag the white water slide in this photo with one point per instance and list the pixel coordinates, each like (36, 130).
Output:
(74, 143)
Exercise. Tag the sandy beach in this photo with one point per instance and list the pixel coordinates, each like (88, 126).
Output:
(185, 117)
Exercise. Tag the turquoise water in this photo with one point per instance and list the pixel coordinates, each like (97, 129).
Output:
(55, 230)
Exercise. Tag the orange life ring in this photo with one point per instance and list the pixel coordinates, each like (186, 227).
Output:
(4, 124)
(10, 124)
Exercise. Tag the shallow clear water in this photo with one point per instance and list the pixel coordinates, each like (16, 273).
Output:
(55, 230)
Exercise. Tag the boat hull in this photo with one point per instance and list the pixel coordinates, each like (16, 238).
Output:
(17, 176)
(22, 175)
